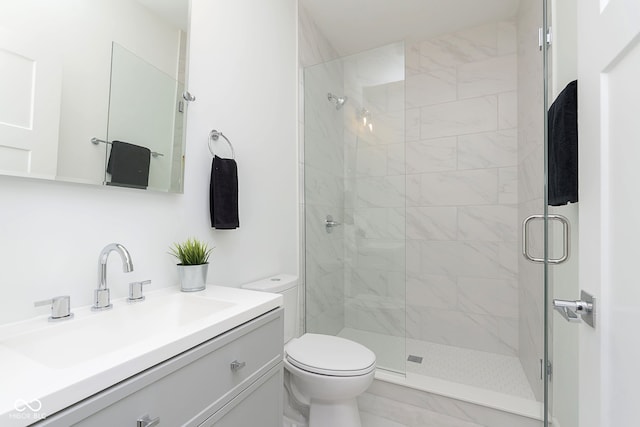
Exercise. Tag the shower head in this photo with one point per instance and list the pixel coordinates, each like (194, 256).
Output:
(338, 101)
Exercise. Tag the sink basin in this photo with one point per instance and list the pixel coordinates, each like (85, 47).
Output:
(93, 334)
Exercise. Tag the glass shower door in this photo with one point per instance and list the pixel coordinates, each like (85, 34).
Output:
(562, 278)
(355, 201)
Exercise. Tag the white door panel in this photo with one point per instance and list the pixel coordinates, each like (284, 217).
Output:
(30, 87)
(609, 102)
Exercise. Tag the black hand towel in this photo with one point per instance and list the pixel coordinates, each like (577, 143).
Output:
(563, 147)
(223, 194)
(129, 165)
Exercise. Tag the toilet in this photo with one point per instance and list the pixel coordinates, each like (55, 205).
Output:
(324, 373)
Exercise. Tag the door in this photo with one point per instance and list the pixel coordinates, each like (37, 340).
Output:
(609, 128)
(29, 105)
(563, 278)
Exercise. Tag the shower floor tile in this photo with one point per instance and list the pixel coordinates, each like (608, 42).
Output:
(491, 371)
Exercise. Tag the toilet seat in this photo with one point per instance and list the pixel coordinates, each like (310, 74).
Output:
(330, 355)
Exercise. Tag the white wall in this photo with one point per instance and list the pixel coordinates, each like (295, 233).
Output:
(243, 72)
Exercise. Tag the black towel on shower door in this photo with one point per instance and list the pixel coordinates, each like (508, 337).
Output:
(129, 165)
(223, 194)
(563, 147)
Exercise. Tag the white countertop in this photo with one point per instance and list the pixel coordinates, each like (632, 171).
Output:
(44, 368)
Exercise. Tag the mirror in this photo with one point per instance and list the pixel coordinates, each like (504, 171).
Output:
(73, 71)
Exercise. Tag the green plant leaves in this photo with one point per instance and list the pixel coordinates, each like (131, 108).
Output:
(191, 252)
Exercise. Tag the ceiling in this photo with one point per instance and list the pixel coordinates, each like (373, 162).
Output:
(175, 12)
(353, 26)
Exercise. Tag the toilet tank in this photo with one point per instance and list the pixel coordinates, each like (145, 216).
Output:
(287, 285)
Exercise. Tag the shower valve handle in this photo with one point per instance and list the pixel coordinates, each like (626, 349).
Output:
(329, 223)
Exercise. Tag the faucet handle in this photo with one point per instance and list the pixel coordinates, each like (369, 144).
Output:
(135, 291)
(60, 307)
(101, 300)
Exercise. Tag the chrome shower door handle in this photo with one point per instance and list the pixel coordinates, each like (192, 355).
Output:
(525, 238)
(565, 238)
(329, 224)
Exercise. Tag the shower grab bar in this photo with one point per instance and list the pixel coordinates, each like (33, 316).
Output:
(214, 135)
(565, 238)
(97, 141)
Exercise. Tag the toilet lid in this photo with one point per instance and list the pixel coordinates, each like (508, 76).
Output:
(329, 355)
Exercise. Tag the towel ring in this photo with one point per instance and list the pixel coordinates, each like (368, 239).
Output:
(214, 135)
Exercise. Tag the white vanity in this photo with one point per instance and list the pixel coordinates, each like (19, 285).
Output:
(211, 358)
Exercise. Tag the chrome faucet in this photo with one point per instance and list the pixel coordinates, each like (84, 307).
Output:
(102, 299)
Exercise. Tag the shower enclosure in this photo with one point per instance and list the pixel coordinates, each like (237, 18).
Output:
(421, 159)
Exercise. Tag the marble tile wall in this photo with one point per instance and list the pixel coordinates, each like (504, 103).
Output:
(321, 181)
(461, 189)
(407, 407)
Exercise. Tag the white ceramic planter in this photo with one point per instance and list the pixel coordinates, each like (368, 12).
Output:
(193, 277)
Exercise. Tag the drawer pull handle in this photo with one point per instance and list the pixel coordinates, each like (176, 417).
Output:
(236, 366)
(146, 421)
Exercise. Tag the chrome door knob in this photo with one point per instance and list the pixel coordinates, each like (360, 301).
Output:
(574, 311)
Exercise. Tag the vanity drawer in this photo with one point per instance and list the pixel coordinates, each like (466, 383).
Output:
(261, 404)
(190, 387)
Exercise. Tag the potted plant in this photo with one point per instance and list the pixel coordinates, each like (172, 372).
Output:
(194, 263)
